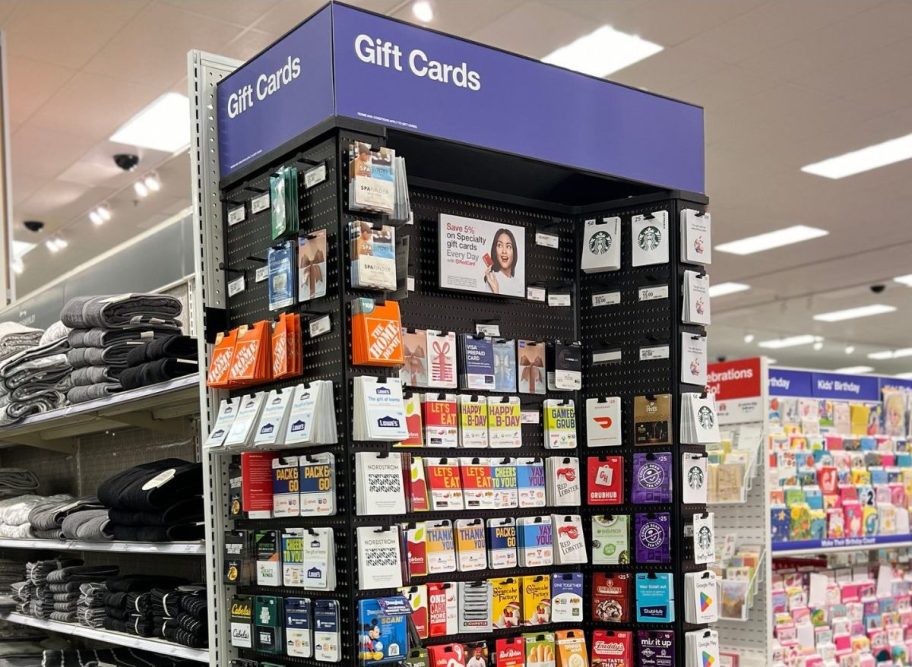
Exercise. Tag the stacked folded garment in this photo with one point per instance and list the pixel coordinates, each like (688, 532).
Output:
(105, 329)
(36, 380)
(159, 501)
(128, 604)
(16, 481)
(160, 360)
(15, 338)
(63, 585)
(41, 598)
(181, 615)
(14, 514)
(43, 517)
(90, 607)
(22, 592)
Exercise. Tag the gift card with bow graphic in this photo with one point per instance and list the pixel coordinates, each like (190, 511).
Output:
(441, 359)
(312, 265)
(414, 372)
(531, 355)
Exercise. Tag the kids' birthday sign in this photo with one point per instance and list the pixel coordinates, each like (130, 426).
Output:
(482, 256)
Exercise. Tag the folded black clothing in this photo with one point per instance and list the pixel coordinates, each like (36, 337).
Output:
(114, 600)
(153, 372)
(166, 602)
(184, 638)
(139, 603)
(82, 573)
(179, 533)
(142, 626)
(63, 616)
(69, 588)
(119, 311)
(131, 583)
(151, 487)
(191, 624)
(195, 605)
(115, 624)
(173, 346)
(118, 614)
(188, 510)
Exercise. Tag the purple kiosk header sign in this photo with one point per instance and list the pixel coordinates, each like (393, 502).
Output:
(350, 63)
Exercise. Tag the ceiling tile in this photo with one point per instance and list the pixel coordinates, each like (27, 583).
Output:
(7, 7)
(461, 18)
(248, 44)
(533, 29)
(286, 14)
(67, 33)
(41, 152)
(31, 84)
(24, 185)
(668, 70)
(152, 49)
(670, 23)
(52, 198)
(241, 13)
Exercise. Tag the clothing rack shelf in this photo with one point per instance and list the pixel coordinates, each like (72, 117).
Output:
(158, 548)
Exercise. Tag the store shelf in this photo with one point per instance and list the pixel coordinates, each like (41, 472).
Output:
(812, 547)
(160, 548)
(159, 646)
(159, 407)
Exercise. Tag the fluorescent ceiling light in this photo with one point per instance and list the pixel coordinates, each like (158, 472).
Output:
(864, 159)
(818, 345)
(891, 354)
(749, 338)
(854, 370)
(770, 240)
(423, 11)
(20, 248)
(904, 376)
(849, 349)
(724, 289)
(602, 52)
(791, 341)
(164, 125)
(855, 313)
(905, 280)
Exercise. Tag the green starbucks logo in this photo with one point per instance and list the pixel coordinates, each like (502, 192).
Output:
(706, 417)
(649, 238)
(600, 243)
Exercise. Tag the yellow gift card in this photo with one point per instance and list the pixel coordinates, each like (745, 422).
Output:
(505, 607)
(536, 599)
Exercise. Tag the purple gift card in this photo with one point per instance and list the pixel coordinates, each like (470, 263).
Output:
(653, 538)
(651, 478)
(655, 648)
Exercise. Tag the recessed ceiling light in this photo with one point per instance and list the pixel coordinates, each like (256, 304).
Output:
(95, 217)
(724, 289)
(104, 212)
(749, 338)
(423, 11)
(164, 125)
(152, 182)
(140, 189)
(818, 346)
(849, 349)
(770, 240)
(891, 354)
(855, 313)
(790, 341)
(864, 159)
(905, 280)
(21, 248)
(854, 370)
(602, 52)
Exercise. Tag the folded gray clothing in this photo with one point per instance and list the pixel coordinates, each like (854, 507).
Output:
(70, 596)
(63, 616)
(63, 588)
(120, 310)
(17, 481)
(15, 337)
(83, 394)
(36, 359)
(43, 516)
(55, 534)
(90, 525)
(58, 383)
(116, 355)
(81, 573)
(89, 375)
(45, 401)
(135, 337)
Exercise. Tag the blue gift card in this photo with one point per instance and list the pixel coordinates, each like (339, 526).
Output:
(654, 597)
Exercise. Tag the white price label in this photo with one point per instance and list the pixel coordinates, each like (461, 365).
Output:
(529, 417)
(314, 176)
(606, 356)
(410, 283)
(236, 215)
(536, 293)
(606, 299)
(655, 352)
(261, 274)
(653, 293)
(236, 286)
(556, 300)
(319, 326)
(260, 203)
(547, 240)
(492, 330)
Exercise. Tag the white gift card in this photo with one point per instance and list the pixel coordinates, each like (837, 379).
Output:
(696, 298)
(693, 358)
(603, 422)
(601, 245)
(704, 537)
(649, 239)
(696, 237)
(695, 483)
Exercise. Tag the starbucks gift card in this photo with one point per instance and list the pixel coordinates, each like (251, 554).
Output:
(601, 245)
(649, 238)
(693, 468)
(704, 540)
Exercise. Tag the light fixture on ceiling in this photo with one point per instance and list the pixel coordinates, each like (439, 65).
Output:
(18, 266)
(152, 182)
(770, 240)
(904, 376)
(855, 313)
(602, 52)
(423, 11)
(789, 341)
(140, 189)
(749, 338)
(818, 346)
(891, 354)
(161, 126)
(95, 218)
(849, 349)
(100, 214)
(21, 248)
(724, 289)
(770, 360)
(854, 370)
(905, 280)
(55, 244)
(864, 159)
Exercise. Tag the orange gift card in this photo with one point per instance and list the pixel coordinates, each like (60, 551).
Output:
(376, 333)
(286, 347)
(220, 363)
(251, 361)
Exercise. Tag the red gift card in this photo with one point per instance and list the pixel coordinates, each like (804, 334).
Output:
(606, 480)
(510, 652)
(415, 549)
(447, 655)
(611, 597)
(612, 648)
(443, 609)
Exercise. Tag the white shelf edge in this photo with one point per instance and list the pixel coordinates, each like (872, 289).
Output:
(159, 646)
(812, 551)
(161, 548)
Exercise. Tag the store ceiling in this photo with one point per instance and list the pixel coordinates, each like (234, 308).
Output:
(784, 83)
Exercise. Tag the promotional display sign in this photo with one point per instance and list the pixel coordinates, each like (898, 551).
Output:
(810, 384)
(482, 256)
(738, 388)
(351, 63)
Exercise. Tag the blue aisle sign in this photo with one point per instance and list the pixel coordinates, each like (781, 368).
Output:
(789, 383)
(363, 66)
(811, 384)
